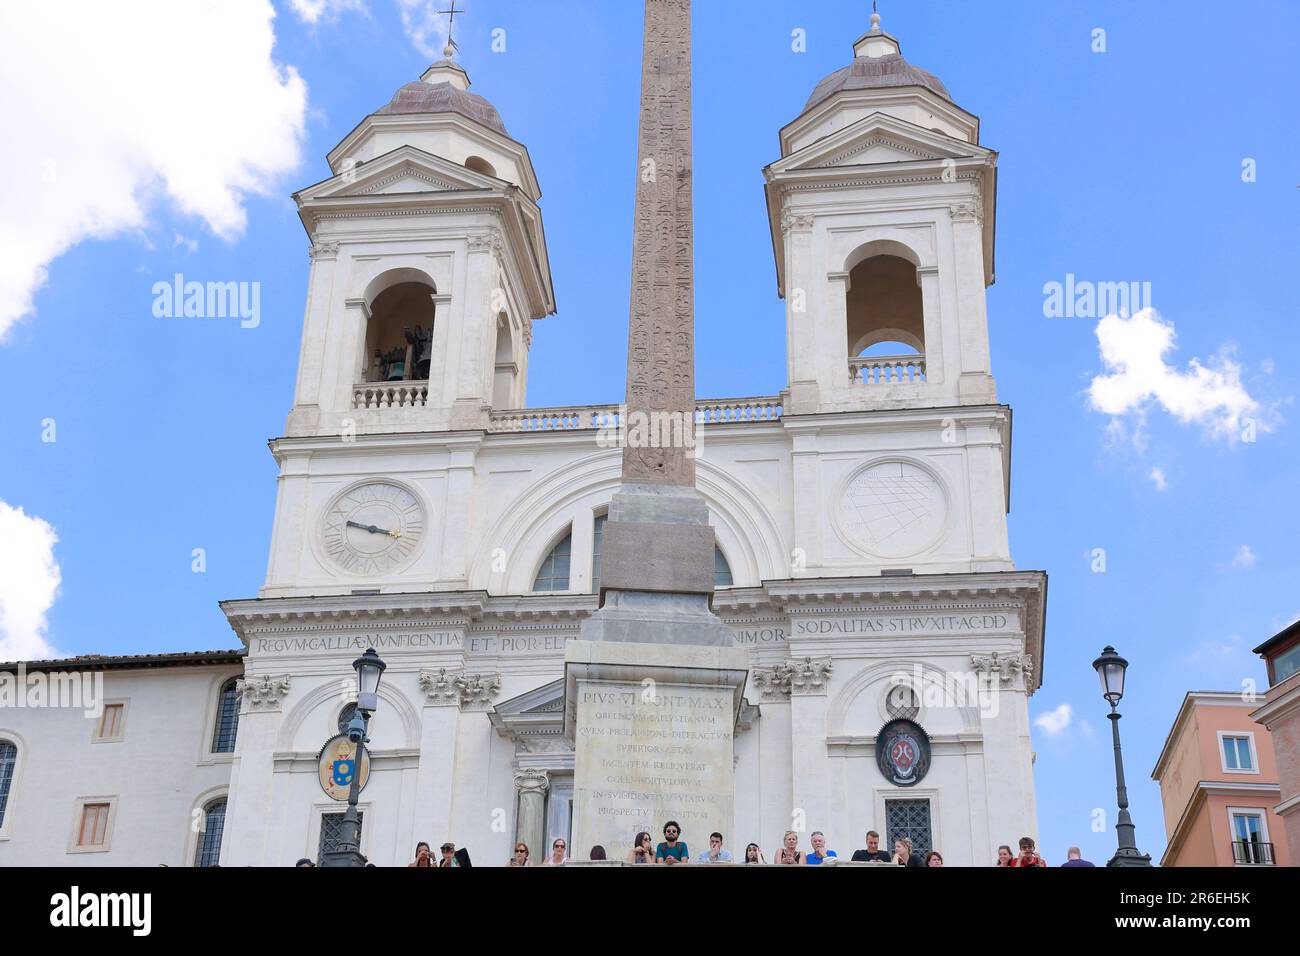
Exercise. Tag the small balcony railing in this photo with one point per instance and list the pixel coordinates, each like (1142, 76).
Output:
(390, 395)
(711, 411)
(887, 370)
(1248, 853)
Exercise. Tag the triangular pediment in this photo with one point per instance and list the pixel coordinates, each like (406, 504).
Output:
(546, 699)
(405, 170)
(876, 140)
(534, 713)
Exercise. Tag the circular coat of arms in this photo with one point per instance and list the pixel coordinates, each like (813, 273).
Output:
(903, 752)
(338, 765)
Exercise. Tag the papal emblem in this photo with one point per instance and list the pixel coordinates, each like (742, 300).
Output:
(339, 765)
(903, 752)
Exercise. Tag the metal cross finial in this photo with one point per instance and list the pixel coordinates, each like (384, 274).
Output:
(451, 46)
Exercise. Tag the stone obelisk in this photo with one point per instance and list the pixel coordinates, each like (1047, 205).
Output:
(654, 683)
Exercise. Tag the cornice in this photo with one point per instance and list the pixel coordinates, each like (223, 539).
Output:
(1284, 705)
(880, 99)
(891, 418)
(465, 126)
(257, 616)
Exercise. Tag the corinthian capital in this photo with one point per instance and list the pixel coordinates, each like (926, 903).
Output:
(446, 688)
(263, 693)
(477, 690)
(972, 211)
(1005, 667)
(809, 676)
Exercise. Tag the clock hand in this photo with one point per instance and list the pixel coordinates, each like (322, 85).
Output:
(373, 530)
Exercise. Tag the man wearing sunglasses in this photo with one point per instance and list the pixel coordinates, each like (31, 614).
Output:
(672, 851)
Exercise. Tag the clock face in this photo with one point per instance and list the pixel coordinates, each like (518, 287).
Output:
(373, 528)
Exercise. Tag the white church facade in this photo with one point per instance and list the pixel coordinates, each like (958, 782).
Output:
(863, 560)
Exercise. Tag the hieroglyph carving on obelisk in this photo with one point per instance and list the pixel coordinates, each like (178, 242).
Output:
(661, 334)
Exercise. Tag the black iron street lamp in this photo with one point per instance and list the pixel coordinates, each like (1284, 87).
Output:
(1110, 668)
(369, 668)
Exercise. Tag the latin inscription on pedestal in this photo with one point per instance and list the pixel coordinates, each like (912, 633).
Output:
(646, 754)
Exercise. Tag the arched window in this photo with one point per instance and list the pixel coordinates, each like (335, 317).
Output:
(721, 569)
(506, 371)
(227, 724)
(886, 327)
(345, 717)
(399, 335)
(8, 761)
(553, 575)
(207, 851)
(480, 165)
(597, 545)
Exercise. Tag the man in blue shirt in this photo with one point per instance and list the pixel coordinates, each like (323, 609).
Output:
(672, 850)
(715, 853)
(819, 852)
(1075, 858)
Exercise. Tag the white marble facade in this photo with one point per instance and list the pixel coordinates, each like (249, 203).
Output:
(861, 512)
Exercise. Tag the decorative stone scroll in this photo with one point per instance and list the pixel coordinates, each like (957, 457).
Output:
(488, 242)
(967, 211)
(532, 780)
(1005, 667)
(792, 222)
(263, 693)
(444, 688)
(807, 676)
(477, 690)
(439, 687)
(772, 682)
(810, 675)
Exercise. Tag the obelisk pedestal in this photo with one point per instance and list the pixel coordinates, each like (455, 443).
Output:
(653, 728)
(653, 686)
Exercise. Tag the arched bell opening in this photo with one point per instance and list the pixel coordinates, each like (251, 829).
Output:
(506, 371)
(399, 335)
(886, 323)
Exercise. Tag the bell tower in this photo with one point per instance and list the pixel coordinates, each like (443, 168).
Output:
(428, 268)
(881, 210)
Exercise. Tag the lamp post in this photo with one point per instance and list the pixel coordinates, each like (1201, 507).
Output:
(1110, 668)
(369, 668)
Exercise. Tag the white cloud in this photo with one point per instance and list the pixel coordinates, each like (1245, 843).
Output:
(1244, 558)
(1133, 351)
(313, 11)
(425, 28)
(1157, 477)
(29, 580)
(1055, 722)
(111, 108)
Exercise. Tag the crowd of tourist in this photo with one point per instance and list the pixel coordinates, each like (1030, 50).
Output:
(672, 850)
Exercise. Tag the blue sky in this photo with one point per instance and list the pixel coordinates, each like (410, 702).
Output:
(1115, 166)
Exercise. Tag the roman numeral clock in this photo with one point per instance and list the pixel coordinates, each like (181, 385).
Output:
(373, 528)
